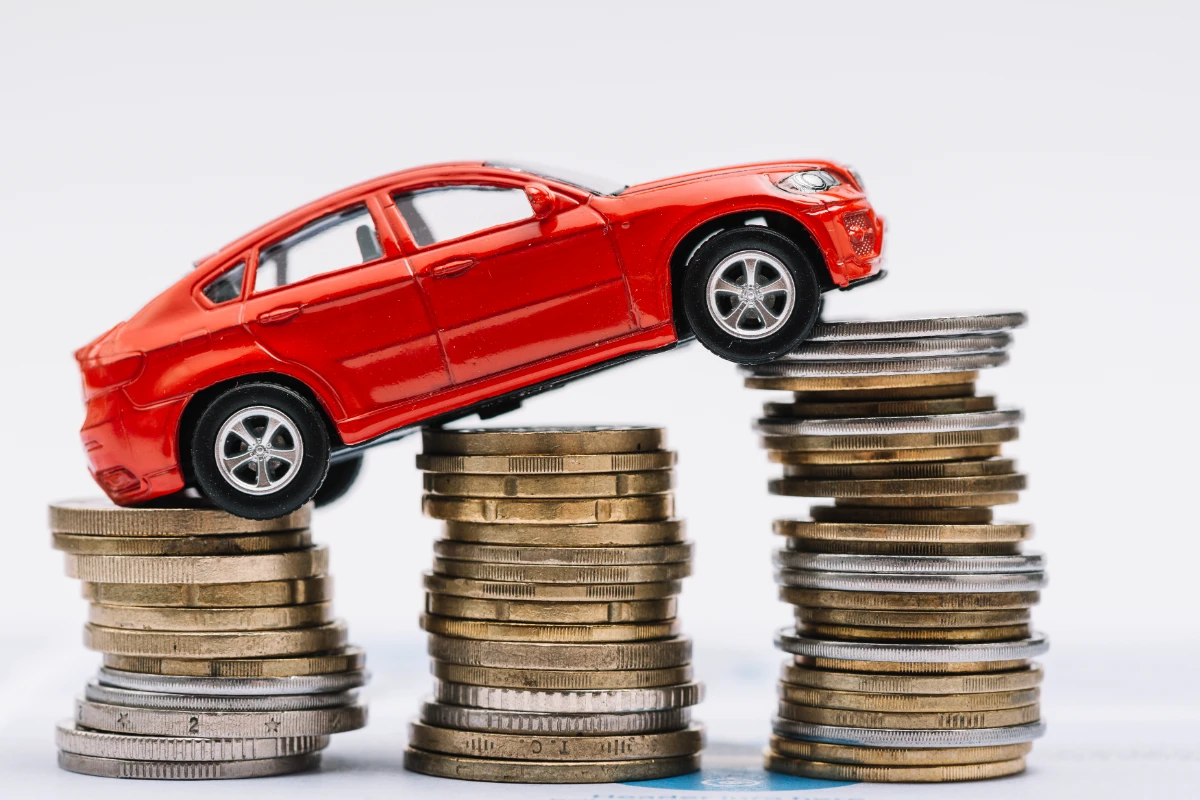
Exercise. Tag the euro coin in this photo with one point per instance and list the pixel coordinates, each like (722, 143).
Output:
(592, 701)
(190, 518)
(551, 592)
(503, 771)
(306, 563)
(557, 573)
(542, 441)
(1026, 677)
(549, 613)
(961, 325)
(612, 484)
(914, 347)
(967, 468)
(937, 720)
(932, 668)
(233, 724)
(886, 456)
(831, 409)
(523, 747)
(227, 545)
(560, 680)
(673, 652)
(212, 595)
(567, 556)
(443, 715)
(546, 465)
(891, 441)
(890, 426)
(210, 619)
(584, 534)
(186, 770)
(941, 533)
(345, 659)
(907, 703)
(905, 601)
(241, 687)
(100, 744)
(858, 382)
(887, 774)
(910, 739)
(993, 633)
(899, 487)
(895, 756)
(901, 516)
(912, 619)
(796, 643)
(604, 509)
(208, 645)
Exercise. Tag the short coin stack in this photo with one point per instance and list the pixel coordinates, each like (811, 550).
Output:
(551, 609)
(912, 645)
(221, 655)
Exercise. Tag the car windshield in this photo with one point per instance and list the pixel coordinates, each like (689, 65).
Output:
(589, 183)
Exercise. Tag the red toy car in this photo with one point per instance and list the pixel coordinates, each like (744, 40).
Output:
(442, 291)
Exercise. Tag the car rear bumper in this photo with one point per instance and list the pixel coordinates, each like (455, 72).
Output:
(132, 452)
(854, 284)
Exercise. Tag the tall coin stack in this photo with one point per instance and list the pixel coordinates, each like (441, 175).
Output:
(911, 655)
(222, 658)
(551, 609)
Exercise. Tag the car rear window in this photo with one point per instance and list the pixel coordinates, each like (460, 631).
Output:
(226, 286)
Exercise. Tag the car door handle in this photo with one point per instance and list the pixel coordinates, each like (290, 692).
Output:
(277, 315)
(448, 269)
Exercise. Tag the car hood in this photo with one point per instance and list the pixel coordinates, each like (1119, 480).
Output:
(710, 174)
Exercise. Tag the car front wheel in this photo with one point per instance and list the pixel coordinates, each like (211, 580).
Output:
(750, 295)
(260, 451)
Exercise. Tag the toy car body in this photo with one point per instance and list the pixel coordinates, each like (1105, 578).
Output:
(440, 291)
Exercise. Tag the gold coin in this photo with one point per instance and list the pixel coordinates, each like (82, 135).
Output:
(1007, 532)
(228, 644)
(905, 470)
(862, 381)
(912, 619)
(866, 548)
(528, 632)
(911, 667)
(498, 770)
(542, 573)
(884, 395)
(674, 652)
(882, 456)
(560, 680)
(535, 747)
(609, 484)
(879, 408)
(901, 487)
(908, 601)
(212, 595)
(547, 465)
(907, 703)
(551, 592)
(543, 441)
(226, 545)
(604, 509)
(192, 518)
(824, 770)
(563, 556)
(992, 633)
(587, 534)
(1027, 677)
(571, 613)
(937, 720)
(901, 516)
(940, 501)
(891, 441)
(346, 659)
(896, 756)
(210, 619)
(305, 563)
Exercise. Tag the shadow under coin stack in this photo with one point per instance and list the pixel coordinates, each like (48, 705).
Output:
(221, 655)
(551, 609)
(912, 645)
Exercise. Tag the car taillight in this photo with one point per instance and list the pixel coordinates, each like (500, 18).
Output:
(118, 481)
(100, 376)
(861, 230)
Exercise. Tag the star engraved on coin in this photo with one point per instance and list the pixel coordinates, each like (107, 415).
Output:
(123, 719)
(272, 724)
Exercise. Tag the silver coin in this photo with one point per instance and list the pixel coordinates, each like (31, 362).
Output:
(859, 426)
(100, 744)
(895, 366)
(186, 770)
(909, 565)
(917, 739)
(899, 582)
(230, 687)
(98, 693)
(900, 348)
(221, 724)
(789, 641)
(604, 701)
(908, 328)
(444, 715)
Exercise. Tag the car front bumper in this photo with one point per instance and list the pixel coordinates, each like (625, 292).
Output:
(132, 452)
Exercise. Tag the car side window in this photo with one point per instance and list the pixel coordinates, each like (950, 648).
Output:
(226, 286)
(330, 243)
(447, 212)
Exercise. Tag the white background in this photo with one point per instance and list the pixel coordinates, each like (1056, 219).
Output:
(1037, 156)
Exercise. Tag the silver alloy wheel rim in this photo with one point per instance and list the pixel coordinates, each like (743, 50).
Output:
(258, 450)
(750, 294)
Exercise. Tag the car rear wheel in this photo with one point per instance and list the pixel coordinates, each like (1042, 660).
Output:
(750, 295)
(338, 481)
(260, 451)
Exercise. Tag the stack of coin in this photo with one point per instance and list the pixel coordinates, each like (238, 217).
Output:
(911, 655)
(551, 609)
(222, 658)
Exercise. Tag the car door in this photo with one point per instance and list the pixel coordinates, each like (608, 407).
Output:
(508, 289)
(337, 298)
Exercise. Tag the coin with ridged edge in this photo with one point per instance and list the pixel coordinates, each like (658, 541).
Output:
(887, 393)
(901, 516)
(879, 426)
(672, 652)
(597, 701)
(583, 440)
(501, 771)
(905, 601)
(915, 739)
(912, 619)
(512, 510)
(892, 441)
(98, 693)
(886, 774)
(212, 595)
(549, 613)
(935, 720)
(556, 748)
(888, 683)
(859, 368)
(567, 556)
(850, 633)
(826, 383)
(885, 456)
(346, 659)
(239, 687)
(894, 548)
(305, 563)
(559, 573)
(233, 724)
(551, 592)
(209, 644)
(99, 744)
(227, 545)
(960, 325)
(603, 484)
(900, 582)
(98, 517)
(977, 500)
(443, 715)
(966, 468)
(895, 756)
(559, 680)
(801, 409)
(210, 619)
(797, 644)
(546, 465)
(187, 770)
(907, 703)
(910, 565)
(900, 532)
(487, 630)
(914, 347)
(582, 534)
(906, 487)
(913, 667)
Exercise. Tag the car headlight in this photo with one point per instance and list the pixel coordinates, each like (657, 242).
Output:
(808, 181)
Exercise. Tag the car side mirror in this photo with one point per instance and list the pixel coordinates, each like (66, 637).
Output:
(541, 200)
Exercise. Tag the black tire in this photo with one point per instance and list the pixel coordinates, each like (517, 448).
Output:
(772, 338)
(309, 472)
(338, 480)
